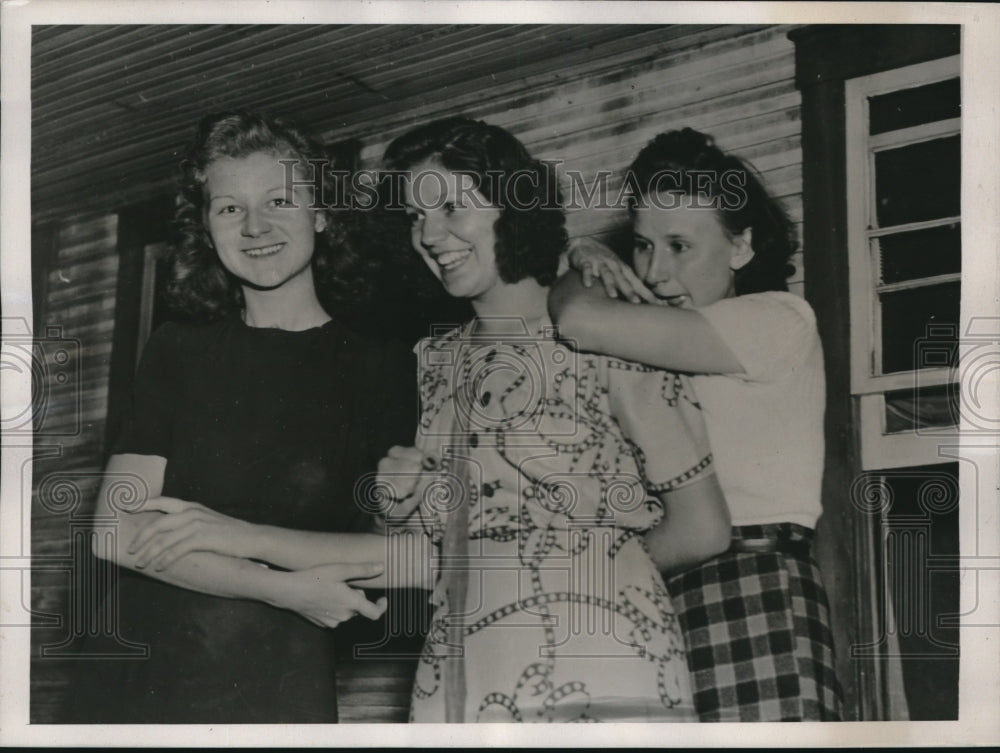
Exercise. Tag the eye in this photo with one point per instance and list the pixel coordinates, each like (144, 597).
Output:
(679, 246)
(450, 207)
(641, 246)
(228, 209)
(280, 201)
(413, 217)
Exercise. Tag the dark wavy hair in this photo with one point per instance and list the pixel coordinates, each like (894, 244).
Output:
(199, 287)
(689, 162)
(531, 229)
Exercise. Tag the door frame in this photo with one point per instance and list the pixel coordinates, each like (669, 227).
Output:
(825, 57)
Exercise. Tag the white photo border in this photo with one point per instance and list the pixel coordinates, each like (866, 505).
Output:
(980, 646)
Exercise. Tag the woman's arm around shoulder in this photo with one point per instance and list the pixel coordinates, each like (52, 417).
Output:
(657, 335)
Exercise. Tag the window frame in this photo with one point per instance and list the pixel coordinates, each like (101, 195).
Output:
(880, 449)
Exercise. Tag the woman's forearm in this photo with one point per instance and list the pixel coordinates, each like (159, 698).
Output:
(298, 550)
(675, 550)
(214, 554)
(405, 555)
(217, 565)
(695, 527)
(206, 572)
(325, 595)
(660, 336)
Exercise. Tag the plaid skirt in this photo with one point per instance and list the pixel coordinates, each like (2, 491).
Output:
(757, 629)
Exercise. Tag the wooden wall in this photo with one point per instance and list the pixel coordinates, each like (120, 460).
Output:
(734, 82)
(79, 300)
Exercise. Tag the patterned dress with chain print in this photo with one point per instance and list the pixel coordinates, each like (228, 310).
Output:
(562, 615)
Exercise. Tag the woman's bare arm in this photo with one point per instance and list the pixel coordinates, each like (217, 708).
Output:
(173, 533)
(405, 554)
(695, 526)
(208, 572)
(660, 336)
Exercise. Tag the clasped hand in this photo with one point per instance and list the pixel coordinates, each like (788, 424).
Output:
(403, 473)
(189, 527)
(324, 597)
(594, 260)
(322, 594)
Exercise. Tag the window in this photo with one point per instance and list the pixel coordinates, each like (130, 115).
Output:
(904, 233)
(152, 312)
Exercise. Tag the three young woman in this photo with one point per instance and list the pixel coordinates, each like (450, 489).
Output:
(547, 487)
(548, 603)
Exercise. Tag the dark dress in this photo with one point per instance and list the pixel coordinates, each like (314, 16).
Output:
(268, 426)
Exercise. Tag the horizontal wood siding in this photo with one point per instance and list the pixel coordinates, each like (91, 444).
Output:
(79, 308)
(597, 115)
(140, 89)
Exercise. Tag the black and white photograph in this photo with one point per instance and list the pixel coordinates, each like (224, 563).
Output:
(420, 363)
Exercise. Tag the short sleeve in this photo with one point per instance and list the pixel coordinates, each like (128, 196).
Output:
(660, 415)
(767, 332)
(148, 424)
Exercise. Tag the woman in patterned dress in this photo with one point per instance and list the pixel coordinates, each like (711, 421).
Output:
(524, 502)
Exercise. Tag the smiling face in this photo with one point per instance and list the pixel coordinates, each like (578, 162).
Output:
(452, 229)
(684, 254)
(263, 233)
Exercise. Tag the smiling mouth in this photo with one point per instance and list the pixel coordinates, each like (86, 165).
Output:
(256, 253)
(451, 260)
(676, 301)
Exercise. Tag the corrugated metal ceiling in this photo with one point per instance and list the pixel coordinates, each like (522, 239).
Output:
(112, 106)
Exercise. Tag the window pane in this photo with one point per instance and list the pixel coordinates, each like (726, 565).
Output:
(916, 106)
(920, 253)
(908, 410)
(906, 317)
(918, 182)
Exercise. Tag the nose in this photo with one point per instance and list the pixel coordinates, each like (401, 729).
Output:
(432, 230)
(661, 268)
(255, 223)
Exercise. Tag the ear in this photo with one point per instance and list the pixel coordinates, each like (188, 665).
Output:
(742, 250)
(319, 222)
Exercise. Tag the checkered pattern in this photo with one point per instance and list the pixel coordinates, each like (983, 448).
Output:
(757, 632)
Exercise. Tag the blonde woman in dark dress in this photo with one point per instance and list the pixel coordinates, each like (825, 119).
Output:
(263, 409)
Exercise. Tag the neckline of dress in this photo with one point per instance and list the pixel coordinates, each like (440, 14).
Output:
(544, 324)
(241, 323)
